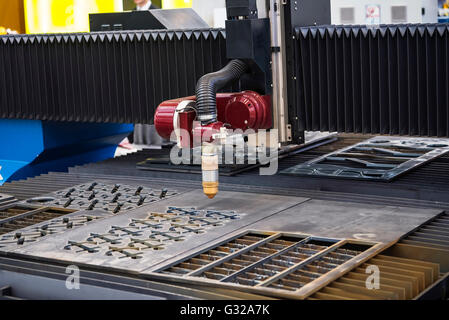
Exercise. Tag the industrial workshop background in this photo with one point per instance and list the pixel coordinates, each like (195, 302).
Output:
(45, 16)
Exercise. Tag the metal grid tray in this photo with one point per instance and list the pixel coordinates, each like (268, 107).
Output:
(273, 264)
(16, 220)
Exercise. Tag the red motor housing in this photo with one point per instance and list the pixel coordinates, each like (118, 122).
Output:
(243, 110)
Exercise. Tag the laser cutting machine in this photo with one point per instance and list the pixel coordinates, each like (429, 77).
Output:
(359, 117)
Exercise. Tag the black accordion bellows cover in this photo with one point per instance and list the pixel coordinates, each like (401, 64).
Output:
(116, 77)
(391, 79)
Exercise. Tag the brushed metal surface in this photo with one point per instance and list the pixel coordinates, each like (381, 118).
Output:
(251, 208)
(379, 223)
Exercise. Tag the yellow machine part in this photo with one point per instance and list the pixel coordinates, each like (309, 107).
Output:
(172, 4)
(11, 16)
(54, 16)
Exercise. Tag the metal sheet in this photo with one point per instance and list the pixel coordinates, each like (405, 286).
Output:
(248, 210)
(379, 158)
(110, 197)
(348, 220)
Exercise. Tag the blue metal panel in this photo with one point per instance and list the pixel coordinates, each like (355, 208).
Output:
(31, 147)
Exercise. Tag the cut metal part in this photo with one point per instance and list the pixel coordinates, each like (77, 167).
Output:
(115, 198)
(125, 252)
(164, 217)
(85, 246)
(221, 215)
(379, 158)
(146, 244)
(145, 223)
(206, 222)
(104, 237)
(125, 231)
(166, 236)
(187, 228)
(183, 211)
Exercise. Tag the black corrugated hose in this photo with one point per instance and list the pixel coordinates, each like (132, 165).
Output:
(208, 86)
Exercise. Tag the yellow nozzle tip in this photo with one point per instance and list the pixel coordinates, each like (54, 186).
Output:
(210, 189)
